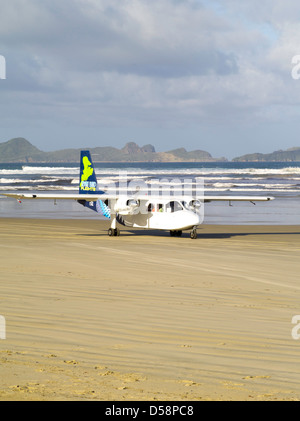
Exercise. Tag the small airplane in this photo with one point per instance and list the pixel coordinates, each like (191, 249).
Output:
(174, 213)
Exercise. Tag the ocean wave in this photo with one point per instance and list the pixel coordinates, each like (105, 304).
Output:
(157, 186)
(49, 170)
(39, 170)
(12, 180)
(216, 179)
(160, 172)
(202, 171)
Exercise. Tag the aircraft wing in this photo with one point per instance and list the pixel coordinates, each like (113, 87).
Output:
(208, 198)
(104, 196)
(53, 196)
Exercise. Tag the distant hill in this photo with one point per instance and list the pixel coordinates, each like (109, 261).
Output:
(18, 149)
(21, 150)
(197, 156)
(290, 155)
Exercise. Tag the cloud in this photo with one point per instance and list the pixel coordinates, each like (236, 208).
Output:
(136, 62)
(159, 38)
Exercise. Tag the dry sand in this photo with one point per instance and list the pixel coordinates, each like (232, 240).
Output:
(148, 317)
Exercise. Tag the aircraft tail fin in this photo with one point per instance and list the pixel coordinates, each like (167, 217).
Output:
(88, 185)
(88, 179)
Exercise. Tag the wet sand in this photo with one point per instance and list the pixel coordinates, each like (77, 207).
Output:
(145, 316)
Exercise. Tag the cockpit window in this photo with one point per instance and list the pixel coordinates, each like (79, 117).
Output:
(173, 206)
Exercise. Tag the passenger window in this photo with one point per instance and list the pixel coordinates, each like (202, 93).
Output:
(151, 207)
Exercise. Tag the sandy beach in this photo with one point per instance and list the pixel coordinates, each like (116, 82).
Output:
(145, 316)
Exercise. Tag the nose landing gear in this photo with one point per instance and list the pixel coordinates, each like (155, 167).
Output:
(194, 233)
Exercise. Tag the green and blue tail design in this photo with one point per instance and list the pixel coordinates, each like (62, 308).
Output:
(88, 185)
(88, 179)
(102, 208)
(99, 206)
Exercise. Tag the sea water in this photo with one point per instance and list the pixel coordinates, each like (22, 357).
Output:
(280, 180)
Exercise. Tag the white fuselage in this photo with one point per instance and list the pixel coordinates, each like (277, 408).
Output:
(159, 214)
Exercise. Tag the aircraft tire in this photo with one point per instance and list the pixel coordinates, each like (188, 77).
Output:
(110, 232)
(194, 235)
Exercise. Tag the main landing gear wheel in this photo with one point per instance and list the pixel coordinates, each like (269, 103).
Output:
(176, 233)
(114, 232)
(194, 234)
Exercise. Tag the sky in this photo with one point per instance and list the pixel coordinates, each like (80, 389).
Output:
(220, 76)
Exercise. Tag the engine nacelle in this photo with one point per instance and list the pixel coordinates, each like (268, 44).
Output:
(127, 206)
(194, 205)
